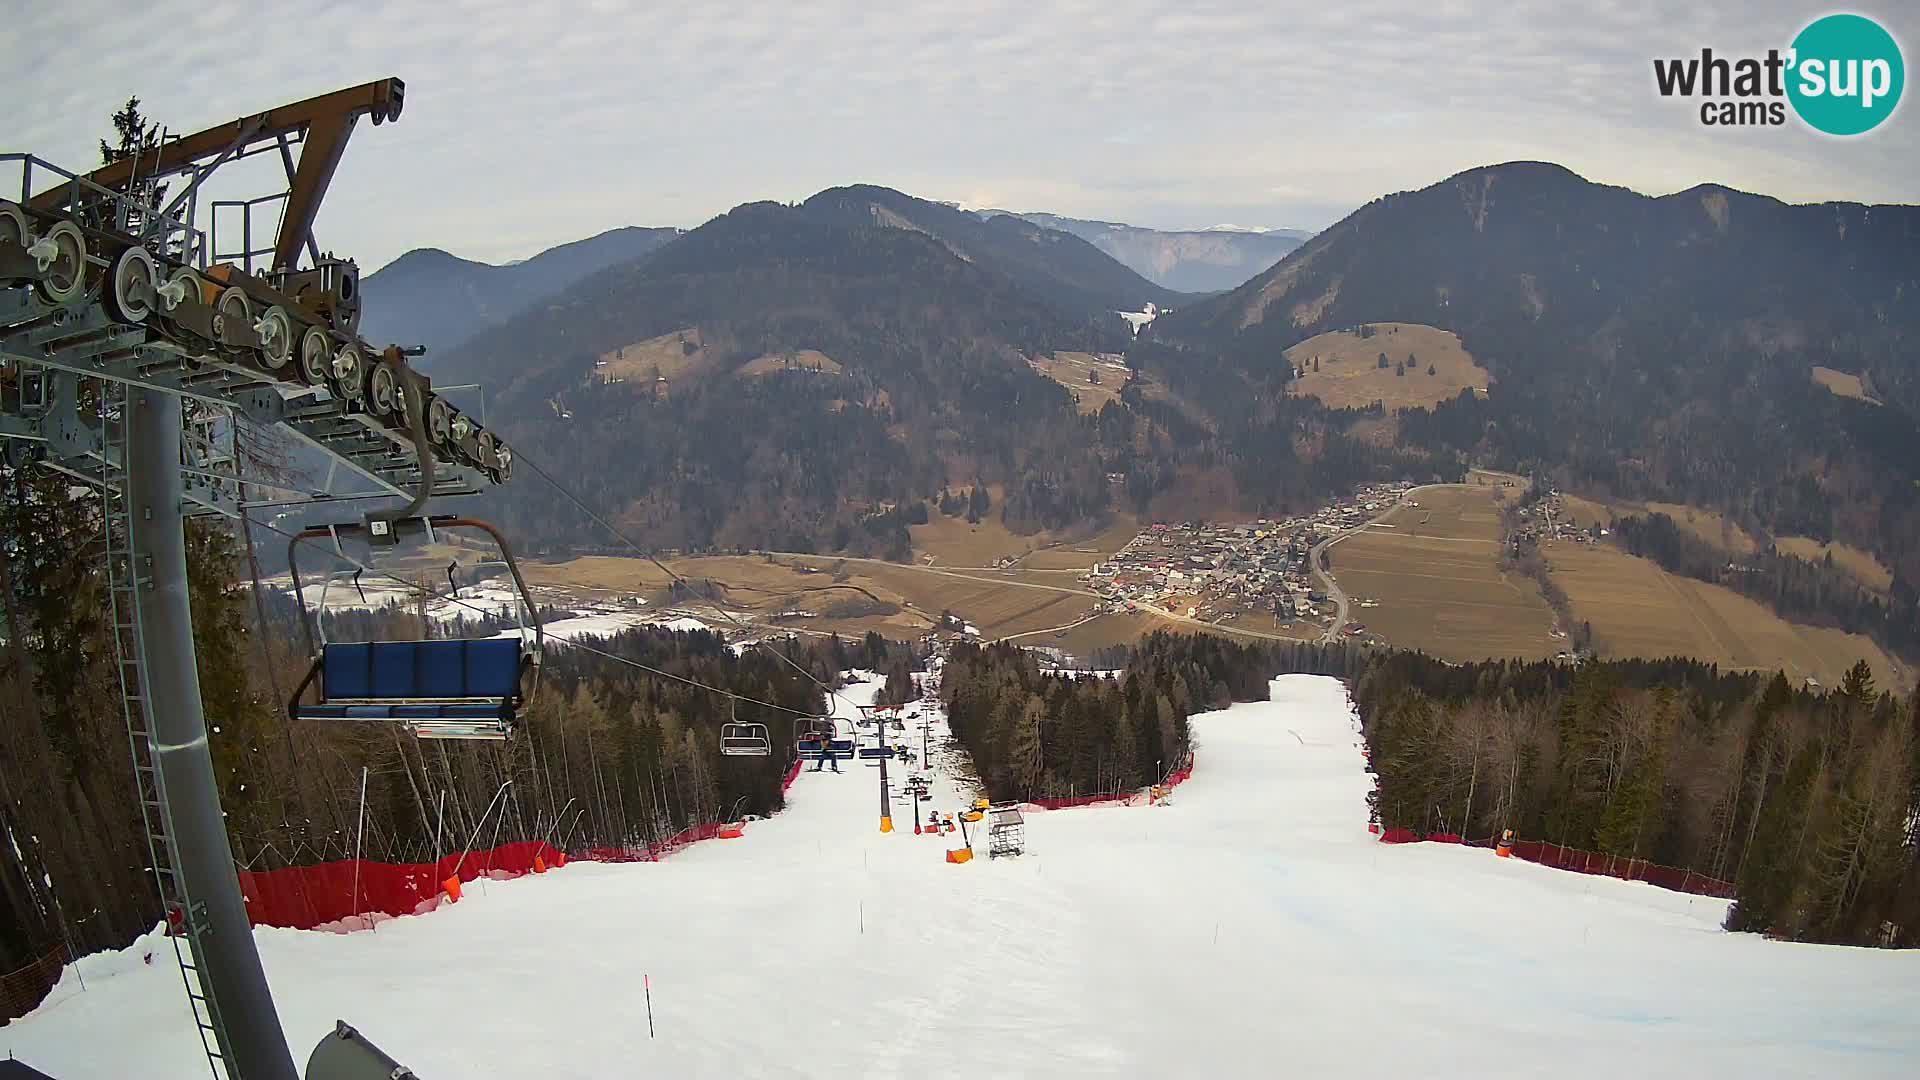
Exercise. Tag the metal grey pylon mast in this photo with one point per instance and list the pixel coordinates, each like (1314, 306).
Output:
(239, 1007)
(131, 347)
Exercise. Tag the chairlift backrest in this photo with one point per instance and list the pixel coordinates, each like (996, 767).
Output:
(814, 749)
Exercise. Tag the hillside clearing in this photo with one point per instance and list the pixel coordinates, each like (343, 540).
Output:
(956, 542)
(804, 360)
(1843, 383)
(1349, 375)
(670, 356)
(1707, 525)
(1093, 379)
(1716, 529)
(1862, 565)
(1638, 609)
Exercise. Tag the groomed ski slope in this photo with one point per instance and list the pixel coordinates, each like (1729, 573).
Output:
(1253, 928)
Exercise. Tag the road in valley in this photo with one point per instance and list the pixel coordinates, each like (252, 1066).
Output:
(1333, 587)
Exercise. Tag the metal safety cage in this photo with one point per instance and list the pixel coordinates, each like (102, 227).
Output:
(1006, 832)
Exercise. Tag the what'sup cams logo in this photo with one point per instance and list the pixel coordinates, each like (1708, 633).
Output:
(1842, 76)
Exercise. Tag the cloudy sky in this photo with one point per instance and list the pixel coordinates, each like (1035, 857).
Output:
(531, 124)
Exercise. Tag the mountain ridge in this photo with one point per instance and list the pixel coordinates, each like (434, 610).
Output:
(430, 296)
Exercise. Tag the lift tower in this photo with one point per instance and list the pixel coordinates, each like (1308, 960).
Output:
(132, 346)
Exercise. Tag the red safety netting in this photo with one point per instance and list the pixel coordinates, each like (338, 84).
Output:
(25, 987)
(1590, 862)
(307, 897)
(655, 851)
(1587, 862)
(324, 895)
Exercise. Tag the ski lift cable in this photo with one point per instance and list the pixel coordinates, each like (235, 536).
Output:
(521, 457)
(431, 594)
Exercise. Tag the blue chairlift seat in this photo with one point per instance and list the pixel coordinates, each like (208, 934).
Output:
(815, 749)
(876, 751)
(446, 689)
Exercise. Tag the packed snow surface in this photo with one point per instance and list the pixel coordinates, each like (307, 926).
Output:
(1252, 928)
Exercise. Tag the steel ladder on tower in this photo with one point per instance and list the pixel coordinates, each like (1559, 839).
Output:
(124, 584)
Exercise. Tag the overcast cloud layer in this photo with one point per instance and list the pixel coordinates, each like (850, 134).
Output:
(528, 125)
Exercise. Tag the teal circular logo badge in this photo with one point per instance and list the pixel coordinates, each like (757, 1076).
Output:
(1846, 74)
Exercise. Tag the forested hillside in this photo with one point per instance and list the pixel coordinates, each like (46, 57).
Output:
(1644, 348)
(928, 386)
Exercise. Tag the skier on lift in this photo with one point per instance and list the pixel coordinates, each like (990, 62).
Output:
(826, 753)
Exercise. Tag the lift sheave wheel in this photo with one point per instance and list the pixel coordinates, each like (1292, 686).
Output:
(134, 276)
(383, 389)
(183, 287)
(233, 309)
(350, 373)
(275, 330)
(62, 255)
(439, 421)
(316, 356)
(14, 230)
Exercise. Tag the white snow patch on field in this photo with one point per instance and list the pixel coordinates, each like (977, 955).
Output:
(1251, 929)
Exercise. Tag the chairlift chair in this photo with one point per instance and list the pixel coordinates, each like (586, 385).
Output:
(743, 739)
(458, 688)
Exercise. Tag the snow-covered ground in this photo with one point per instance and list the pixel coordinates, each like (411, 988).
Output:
(1252, 928)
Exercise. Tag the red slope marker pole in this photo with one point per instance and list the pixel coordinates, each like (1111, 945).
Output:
(647, 981)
